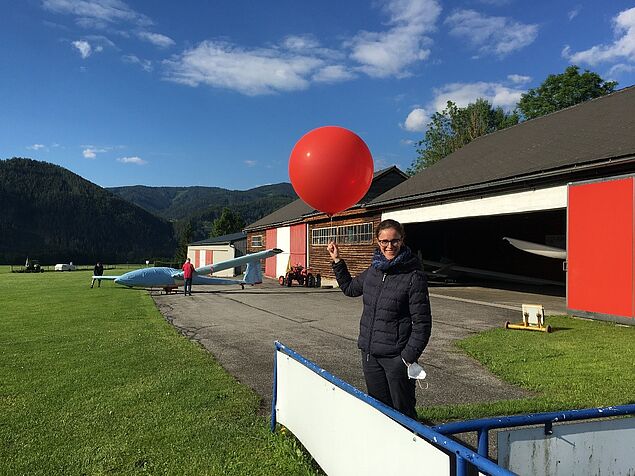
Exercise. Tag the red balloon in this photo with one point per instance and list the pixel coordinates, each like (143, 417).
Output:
(331, 169)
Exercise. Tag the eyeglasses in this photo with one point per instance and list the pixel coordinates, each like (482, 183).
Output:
(385, 243)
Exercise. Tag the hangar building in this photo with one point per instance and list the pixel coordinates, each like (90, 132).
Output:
(518, 183)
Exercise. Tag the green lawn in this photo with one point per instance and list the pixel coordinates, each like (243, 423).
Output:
(582, 364)
(95, 381)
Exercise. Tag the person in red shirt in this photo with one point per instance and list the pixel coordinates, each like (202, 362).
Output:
(188, 271)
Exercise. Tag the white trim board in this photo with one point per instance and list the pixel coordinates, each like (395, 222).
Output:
(530, 201)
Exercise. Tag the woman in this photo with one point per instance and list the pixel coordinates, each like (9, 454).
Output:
(396, 321)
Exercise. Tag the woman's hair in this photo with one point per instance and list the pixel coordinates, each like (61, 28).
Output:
(394, 224)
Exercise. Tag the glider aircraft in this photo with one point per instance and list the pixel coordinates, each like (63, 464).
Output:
(449, 270)
(537, 248)
(171, 278)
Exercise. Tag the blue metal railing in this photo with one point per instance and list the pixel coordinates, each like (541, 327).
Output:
(483, 425)
(464, 456)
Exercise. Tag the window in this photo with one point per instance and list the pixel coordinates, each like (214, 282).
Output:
(322, 236)
(350, 234)
(256, 241)
(345, 234)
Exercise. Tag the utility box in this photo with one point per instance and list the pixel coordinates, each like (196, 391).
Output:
(600, 243)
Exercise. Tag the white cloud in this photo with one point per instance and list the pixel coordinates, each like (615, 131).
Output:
(300, 42)
(463, 94)
(623, 48)
(84, 48)
(391, 52)
(299, 60)
(333, 74)
(417, 120)
(250, 163)
(574, 12)
(618, 69)
(156, 39)
(97, 13)
(36, 147)
(133, 59)
(90, 152)
(491, 35)
(132, 160)
(250, 72)
(518, 78)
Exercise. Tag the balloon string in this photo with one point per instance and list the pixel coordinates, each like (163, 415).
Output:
(333, 236)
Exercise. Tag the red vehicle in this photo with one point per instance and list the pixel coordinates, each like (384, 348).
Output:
(304, 277)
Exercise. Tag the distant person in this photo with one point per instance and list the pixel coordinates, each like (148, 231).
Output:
(98, 270)
(396, 320)
(188, 271)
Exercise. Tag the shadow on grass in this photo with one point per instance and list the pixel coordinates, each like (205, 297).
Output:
(559, 329)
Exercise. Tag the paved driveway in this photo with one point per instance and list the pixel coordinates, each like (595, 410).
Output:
(239, 327)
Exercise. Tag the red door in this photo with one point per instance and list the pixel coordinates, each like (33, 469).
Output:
(270, 263)
(600, 248)
(298, 244)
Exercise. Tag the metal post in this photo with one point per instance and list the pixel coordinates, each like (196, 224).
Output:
(274, 394)
(461, 466)
(483, 442)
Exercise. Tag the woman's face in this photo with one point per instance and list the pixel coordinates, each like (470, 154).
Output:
(389, 241)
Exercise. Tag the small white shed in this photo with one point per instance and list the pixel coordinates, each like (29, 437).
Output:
(220, 248)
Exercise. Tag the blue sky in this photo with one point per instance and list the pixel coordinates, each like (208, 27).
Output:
(216, 93)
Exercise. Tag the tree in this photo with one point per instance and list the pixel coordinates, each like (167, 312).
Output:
(184, 234)
(452, 128)
(228, 222)
(563, 90)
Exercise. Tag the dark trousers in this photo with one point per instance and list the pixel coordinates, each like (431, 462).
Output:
(188, 286)
(387, 381)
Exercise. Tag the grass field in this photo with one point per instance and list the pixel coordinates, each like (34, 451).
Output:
(99, 383)
(94, 383)
(582, 364)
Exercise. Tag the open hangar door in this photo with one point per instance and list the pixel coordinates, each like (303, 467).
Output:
(477, 242)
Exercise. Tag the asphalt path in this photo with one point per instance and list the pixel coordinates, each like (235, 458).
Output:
(239, 328)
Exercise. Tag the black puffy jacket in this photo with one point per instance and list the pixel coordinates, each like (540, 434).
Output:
(396, 318)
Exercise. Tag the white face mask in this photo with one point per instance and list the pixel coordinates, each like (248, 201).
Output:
(416, 371)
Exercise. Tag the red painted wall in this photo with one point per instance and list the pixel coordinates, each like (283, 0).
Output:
(270, 263)
(600, 248)
(209, 257)
(298, 244)
(197, 258)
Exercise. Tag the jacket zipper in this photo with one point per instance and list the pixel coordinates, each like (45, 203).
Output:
(372, 324)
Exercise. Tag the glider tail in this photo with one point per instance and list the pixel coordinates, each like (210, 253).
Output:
(253, 274)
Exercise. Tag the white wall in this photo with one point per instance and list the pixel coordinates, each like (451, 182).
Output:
(533, 200)
(219, 253)
(283, 241)
(343, 433)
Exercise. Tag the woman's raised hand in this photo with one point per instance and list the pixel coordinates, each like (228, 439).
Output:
(334, 251)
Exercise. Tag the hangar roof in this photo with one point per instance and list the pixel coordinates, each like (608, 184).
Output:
(295, 211)
(591, 132)
(221, 240)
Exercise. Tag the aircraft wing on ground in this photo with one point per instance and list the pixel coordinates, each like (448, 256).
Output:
(450, 270)
(233, 263)
(106, 278)
(537, 248)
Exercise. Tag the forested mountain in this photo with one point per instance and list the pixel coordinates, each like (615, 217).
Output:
(176, 203)
(51, 214)
(200, 206)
